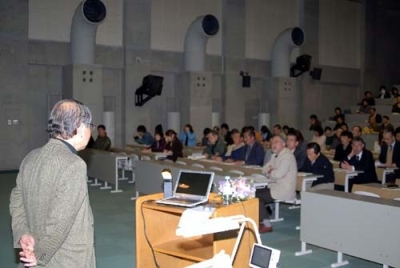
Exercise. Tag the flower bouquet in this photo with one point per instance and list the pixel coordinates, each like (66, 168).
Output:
(236, 190)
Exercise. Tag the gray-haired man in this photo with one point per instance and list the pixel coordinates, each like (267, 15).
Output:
(52, 220)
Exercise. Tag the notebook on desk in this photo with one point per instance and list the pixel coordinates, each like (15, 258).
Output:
(191, 189)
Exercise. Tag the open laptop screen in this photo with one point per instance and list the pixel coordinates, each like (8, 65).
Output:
(193, 183)
(261, 257)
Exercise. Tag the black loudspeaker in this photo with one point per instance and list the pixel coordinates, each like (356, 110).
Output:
(246, 81)
(316, 73)
(303, 63)
(153, 84)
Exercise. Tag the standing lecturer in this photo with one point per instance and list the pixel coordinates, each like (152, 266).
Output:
(52, 220)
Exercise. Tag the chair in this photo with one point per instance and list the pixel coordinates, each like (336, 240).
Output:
(238, 172)
(168, 161)
(128, 165)
(181, 163)
(145, 157)
(366, 194)
(397, 199)
(197, 165)
(216, 168)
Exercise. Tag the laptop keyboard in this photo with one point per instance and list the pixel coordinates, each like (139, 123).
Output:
(182, 200)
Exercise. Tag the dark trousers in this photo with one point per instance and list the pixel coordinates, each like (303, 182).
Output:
(264, 197)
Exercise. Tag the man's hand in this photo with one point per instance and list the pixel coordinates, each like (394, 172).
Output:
(218, 158)
(346, 166)
(27, 254)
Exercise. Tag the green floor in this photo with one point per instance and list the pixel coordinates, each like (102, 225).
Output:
(115, 232)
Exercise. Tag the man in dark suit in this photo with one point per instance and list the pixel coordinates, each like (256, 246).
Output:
(292, 143)
(250, 154)
(373, 113)
(360, 159)
(317, 163)
(390, 154)
(344, 148)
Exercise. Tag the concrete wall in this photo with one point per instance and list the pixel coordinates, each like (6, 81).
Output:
(146, 37)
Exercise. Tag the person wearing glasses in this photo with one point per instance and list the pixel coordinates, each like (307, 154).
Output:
(51, 217)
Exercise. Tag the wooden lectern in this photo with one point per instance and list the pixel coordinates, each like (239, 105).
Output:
(159, 222)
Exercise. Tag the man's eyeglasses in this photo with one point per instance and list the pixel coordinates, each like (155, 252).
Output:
(92, 126)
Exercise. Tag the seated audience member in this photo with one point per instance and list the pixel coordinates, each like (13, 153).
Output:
(364, 107)
(216, 129)
(373, 113)
(216, 146)
(265, 133)
(394, 92)
(319, 137)
(281, 171)
(339, 123)
(292, 144)
(277, 131)
(344, 148)
(159, 129)
(397, 133)
(174, 146)
(285, 129)
(386, 123)
(318, 163)
(300, 139)
(314, 122)
(226, 134)
(390, 154)
(383, 94)
(250, 154)
(338, 113)
(336, 138)
(143, 137)
(360, 159)
(396, 106)
(373, 125)
(378, 143)
(187, 136)
(369, 98)
(204, 140)
(102, 142)
(328, 135)
(344, 127)
(158, 145)
(237, 143)
(356, 131)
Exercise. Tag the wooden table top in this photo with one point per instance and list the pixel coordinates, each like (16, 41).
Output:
(379, 189)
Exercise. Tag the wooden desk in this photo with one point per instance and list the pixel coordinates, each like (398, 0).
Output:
(226, 167)
(376, 188)
(172, 251)
(343, 176)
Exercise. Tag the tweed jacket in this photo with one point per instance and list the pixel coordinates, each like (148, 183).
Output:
(51, 203)
(283, 177)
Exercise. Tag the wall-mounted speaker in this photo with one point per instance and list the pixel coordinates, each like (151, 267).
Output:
(246, 81)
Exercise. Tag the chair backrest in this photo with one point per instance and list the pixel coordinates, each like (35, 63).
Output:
(145, 157)
(366, 193)
(181, 163)
(168, 161)
(134, 157)
(216, 168)
(234, 171)
(197, 165)
(397, 199)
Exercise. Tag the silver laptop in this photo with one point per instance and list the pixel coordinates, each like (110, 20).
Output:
(191, 189)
